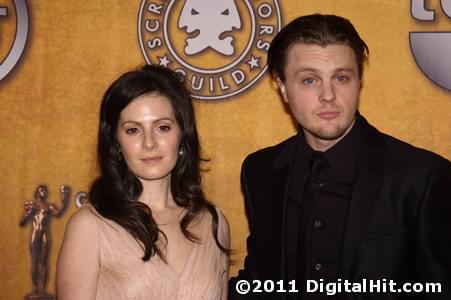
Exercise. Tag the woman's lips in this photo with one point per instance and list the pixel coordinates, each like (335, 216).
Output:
(151, 158)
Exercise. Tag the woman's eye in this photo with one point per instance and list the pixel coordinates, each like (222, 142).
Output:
(131, 130)
(164, 128)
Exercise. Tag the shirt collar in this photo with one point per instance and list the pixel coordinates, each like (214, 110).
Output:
(342, 156)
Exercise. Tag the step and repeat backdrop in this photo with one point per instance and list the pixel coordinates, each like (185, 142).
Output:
(58, 57)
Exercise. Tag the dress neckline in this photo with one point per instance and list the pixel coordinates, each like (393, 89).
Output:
(196, 245)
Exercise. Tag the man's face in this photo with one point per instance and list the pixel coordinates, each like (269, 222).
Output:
(322, 88)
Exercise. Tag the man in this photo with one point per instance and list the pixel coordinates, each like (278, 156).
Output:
(340, 201)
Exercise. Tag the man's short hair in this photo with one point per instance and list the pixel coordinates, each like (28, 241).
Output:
(316, 29)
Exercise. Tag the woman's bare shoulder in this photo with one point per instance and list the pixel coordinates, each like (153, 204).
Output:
(222, 219)
(223, 225)
(82, 222)
(78, 260)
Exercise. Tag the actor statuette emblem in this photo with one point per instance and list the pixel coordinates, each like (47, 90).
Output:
(39, 212)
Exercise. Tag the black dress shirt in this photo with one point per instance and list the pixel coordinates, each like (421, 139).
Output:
(318, 196)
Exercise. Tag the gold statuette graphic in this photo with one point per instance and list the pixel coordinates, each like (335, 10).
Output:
(40, 213)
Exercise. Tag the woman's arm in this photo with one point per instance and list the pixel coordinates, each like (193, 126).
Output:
(78, 260)
(224, 239)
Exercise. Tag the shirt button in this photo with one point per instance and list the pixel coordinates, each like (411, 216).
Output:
(318, 224)
(318, 267)
(320, 185)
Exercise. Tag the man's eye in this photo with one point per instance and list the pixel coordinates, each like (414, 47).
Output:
(131, 130)
(342, 78)
(308, 81)
(194, 12)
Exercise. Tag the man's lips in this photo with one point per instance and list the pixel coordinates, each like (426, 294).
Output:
(328, 115)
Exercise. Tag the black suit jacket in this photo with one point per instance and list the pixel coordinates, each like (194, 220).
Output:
(398, 224)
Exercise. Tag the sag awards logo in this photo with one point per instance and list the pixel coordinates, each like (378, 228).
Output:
(219, 47)
(432, 50)
(14, 24)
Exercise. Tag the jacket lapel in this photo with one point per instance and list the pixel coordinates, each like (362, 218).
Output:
(365, 191)
(282, 168)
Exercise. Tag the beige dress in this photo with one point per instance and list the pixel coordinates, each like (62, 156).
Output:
(124, 275)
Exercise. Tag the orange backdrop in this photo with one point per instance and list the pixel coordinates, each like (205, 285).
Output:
(49, 106)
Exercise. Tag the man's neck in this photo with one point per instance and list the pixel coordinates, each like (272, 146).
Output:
(319, 144)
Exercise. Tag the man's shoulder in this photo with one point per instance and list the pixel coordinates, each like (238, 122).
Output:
(407, 153)
(394, 149)
(266, 156)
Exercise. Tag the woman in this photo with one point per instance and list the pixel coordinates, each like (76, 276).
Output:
(148, 232)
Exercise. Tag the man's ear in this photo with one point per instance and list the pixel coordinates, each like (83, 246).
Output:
(283, 89)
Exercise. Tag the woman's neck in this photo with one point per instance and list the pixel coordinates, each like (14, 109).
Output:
(157, 194)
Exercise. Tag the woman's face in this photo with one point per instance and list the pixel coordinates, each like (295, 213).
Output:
(149, 137)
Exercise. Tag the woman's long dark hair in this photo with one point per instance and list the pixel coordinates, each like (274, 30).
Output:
(115, 192)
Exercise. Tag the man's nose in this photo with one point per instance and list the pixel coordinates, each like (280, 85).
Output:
(327, 92)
